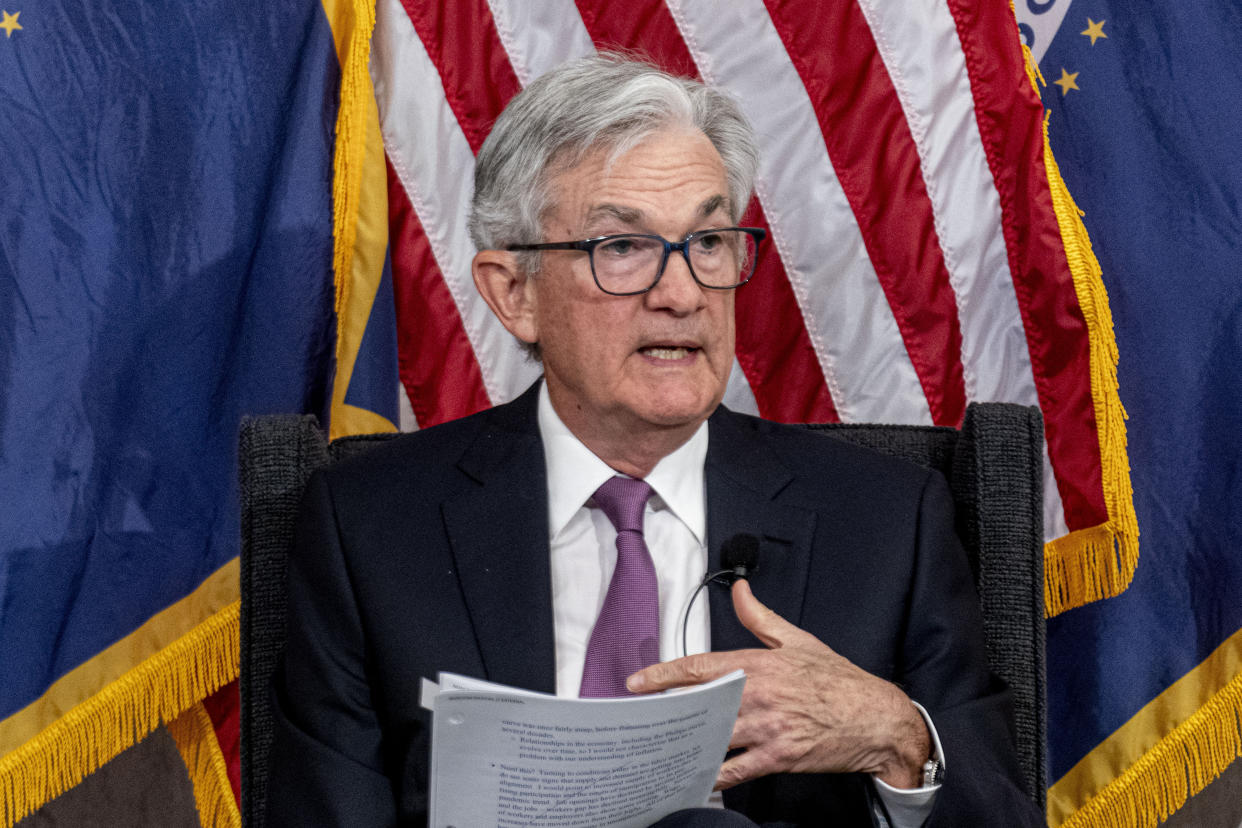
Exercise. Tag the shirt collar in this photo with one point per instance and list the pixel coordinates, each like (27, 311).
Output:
(574, 473)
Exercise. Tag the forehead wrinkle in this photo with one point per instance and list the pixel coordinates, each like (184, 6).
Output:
(634, 216)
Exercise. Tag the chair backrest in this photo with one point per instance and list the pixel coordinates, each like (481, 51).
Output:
(277, 456)
(994, 467)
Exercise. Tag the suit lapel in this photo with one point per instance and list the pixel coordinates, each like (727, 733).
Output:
(745, 484)
(499, 537)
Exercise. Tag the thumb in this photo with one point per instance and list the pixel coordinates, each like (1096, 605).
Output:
(767, 626)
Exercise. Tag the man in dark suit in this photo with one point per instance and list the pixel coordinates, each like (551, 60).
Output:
(488, 546)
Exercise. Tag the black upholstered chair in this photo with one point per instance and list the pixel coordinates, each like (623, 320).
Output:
(993, 464)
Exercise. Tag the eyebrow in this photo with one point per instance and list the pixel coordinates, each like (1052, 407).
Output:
(711, 205)
(633, 216)
(625, 215)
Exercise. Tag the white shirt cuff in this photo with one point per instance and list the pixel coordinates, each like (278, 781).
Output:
(910, 807)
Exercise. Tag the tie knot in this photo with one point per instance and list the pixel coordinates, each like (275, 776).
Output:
(622, 499)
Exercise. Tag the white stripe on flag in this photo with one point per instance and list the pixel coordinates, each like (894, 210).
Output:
(847, 316)
(540, 36)
(407, 420)
(738, 394)
(435, 165)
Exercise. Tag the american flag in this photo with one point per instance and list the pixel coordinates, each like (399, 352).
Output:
(915, 263)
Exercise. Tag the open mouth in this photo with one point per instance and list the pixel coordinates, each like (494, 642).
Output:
(669, 352)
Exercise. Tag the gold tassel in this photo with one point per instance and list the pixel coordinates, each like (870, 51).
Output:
(121, 714)
(1098, 562)
(350, 148)
(360, 207)
(204, 762)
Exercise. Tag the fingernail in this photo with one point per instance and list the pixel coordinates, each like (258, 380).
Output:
(635, 683)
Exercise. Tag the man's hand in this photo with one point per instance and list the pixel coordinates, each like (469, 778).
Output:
(805, 709)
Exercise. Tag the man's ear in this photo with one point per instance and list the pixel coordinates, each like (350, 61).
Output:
(508, 291)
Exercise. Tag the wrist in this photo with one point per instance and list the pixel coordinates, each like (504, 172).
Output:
(910, 748)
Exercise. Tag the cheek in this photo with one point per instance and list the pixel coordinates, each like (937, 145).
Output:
(723, 322)
(552, 313)
(580, 336)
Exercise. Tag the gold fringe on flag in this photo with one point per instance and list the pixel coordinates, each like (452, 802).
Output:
(196, 741)
(1179, 766)
(1097, 562)
(156, 690)
(1168, 751)
(359, 209)
(352, 23)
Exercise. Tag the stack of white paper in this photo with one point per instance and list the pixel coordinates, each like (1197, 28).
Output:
(508, 757)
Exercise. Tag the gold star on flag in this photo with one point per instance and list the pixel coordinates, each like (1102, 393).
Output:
(1067, 81)
(9, 23)
(1094, 30)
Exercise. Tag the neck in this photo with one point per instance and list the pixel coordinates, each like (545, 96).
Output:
(636, 455)
(626, 447)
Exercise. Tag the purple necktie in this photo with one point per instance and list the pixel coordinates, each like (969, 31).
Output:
(626, 637)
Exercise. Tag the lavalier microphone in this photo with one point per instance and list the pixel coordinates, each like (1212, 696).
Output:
(739, 556)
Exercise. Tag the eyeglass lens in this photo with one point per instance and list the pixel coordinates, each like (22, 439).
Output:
(625, 264)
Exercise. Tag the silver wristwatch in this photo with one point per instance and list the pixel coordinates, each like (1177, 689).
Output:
(933, 772)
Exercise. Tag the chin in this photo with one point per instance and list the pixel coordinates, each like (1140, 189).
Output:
(673, 398)
(673, 413)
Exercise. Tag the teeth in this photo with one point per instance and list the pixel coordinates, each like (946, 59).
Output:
(667, 353)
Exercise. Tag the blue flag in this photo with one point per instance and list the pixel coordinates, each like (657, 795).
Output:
(1143, 102)
(165, 269)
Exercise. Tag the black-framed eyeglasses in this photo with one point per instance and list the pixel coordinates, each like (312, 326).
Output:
(628, 263)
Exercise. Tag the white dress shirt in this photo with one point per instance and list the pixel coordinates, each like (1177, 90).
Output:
(584, 543)
(584, 554)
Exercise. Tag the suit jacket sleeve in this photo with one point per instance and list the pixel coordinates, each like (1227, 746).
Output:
(326, 766)
(945, 669)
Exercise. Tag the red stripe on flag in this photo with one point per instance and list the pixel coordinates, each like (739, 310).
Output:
(435, 361)
(1012, 130)
(461, 39)
(877, 163)
(224, 709)
(773, 347)
(643, 25)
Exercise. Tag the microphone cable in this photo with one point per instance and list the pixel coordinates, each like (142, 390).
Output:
(740, 557)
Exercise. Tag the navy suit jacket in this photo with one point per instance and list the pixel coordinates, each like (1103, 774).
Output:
(430, 553)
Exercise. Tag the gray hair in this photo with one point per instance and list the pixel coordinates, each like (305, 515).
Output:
(607, 101)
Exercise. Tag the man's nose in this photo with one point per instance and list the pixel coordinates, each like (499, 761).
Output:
(676, 291)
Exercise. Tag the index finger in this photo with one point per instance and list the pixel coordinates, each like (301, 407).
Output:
(683, 672)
